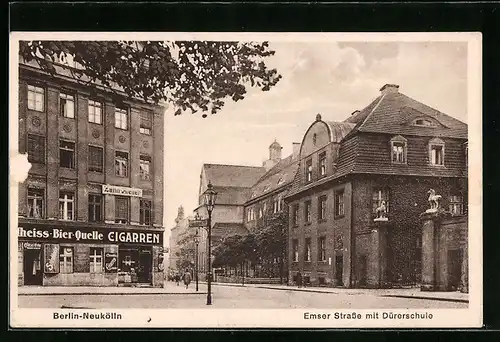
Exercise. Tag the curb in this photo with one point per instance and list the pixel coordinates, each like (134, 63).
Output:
(108, 294)
(456, 300)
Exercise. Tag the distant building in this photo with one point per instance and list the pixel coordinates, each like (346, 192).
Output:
(176, 234)
(382, 159)
(91, 209)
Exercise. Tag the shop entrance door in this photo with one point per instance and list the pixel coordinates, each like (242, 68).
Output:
(145, 265)
(31, 267)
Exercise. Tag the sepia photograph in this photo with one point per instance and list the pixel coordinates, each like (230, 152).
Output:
(276, 180)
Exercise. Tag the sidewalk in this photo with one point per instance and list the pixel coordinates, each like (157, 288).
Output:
(169, 288)
(414, 293)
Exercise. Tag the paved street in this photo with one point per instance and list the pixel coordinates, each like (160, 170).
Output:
(232, 297)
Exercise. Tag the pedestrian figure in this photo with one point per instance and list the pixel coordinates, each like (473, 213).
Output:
(177, 278)
(187, 278)
(299, 279)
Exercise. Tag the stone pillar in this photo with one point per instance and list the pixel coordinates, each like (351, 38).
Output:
(464, 281)
(434, 253)
(379, 252)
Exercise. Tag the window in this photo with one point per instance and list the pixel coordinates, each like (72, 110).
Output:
(436, 152)
(295, 245)
(307, 212)
(66, 206)
(456, 205)
(380, 195)
(95, 208)
(36, 148)
(95, 112)
(146, 123)
(322, 208)
(398, 150)
(66, 260)
(277, 205)
(121, 209)
(322, 164)
(36, 98)
(307, 254)
(35, 203)
(145, 213)
(295, 214)
(264, 209)
(67, 105)
(466, 151)
(121, 164)
(95, 159)
(121, 118)
(96, 260)
(67, 154)
(339, 203)
(309, 170)
(260, 212)
(322, 249)
(144, 163)
(423, 123)
(280, 180)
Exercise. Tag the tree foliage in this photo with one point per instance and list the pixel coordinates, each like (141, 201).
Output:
(194, 75)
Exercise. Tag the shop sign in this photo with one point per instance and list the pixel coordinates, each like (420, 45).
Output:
(32, 245)
(97, 235)
(121, 191)
(111, 262)
(51, 261)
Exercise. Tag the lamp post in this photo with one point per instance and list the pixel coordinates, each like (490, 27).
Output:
(210, 195)
(196, 242)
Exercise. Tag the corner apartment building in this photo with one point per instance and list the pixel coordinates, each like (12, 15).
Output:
(392, 152)
(91, 209)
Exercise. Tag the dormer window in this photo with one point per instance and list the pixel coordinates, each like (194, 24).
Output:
(423, 122)
(280, 180)
(398, 150)
(266, 188)
(436, 152)
(309, 170)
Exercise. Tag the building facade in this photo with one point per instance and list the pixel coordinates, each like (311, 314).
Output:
(91, 209)
(176, 234)
(383, 159)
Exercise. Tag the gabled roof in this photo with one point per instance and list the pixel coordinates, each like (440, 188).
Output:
(279, 176)
(393, 113)
(233, 175)
(225, 229)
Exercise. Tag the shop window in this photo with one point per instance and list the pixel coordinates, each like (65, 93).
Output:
(144, 165)
(322, 208)
(295, 245)
(398, 150)
(96, 263)
(95, 112)
(436, 152)
(322, 164)
(66, 206)
(146, 123)
(35, 203)
(96, 159)
(145, 213)
(66, 260)
(295, 215)
(321, 281)
(67, 105)
(121, 209)
(379, 196)
(309, 170)
(307, 212)
(95, 208)
(121, 164)
(339, 203)
(456, 205)
(322, 249)
(36, 98)
(307, 252)
(67, 154)
(121, 118)
(36, 148)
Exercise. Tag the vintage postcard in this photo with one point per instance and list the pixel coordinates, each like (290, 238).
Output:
(251, 180)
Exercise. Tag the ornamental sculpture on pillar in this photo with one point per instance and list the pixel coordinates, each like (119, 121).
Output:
(381, 212)
(433, 201)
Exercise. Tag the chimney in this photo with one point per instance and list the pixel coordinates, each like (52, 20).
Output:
(295, 150)
(389, 89)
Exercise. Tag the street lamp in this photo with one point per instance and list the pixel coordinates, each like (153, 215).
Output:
(196, 242)
(210, 196)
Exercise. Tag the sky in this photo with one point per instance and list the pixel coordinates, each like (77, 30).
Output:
(330, 78)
